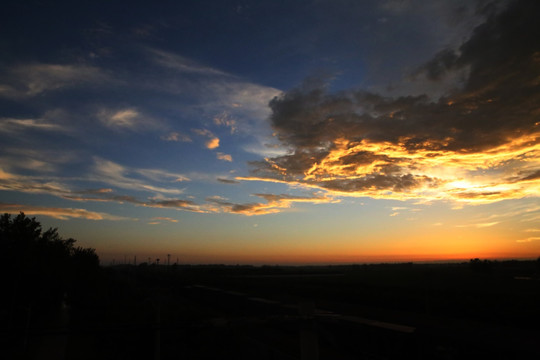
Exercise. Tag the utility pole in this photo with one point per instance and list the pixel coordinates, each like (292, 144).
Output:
(168, 259)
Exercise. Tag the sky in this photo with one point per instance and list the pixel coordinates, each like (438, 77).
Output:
(275, 132)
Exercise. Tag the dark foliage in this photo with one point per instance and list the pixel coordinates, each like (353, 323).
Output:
(39, 268)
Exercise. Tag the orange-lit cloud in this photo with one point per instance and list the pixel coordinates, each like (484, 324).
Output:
(274, 203)
(531, 239)
(57, 213)
(159, 219)
(212, 143)
(476, 144)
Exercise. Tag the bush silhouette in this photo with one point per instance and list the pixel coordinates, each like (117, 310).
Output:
(39, 268)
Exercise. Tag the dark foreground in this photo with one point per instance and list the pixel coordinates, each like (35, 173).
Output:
(420, 311)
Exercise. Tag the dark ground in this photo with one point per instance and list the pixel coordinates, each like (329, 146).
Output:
(477, 309)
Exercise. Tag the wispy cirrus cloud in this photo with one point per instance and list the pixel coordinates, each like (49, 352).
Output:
(480, 225)
(127, 119)
(528, 240)
(124, 177)
(160, 219)
(102, 171)
(274, 203)
(182, 64)
(28, 80)
(14, 125)
(176, 136)
(59, 213)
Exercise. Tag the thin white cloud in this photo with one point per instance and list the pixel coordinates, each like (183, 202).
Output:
(127, 118)
(161, 175)
(12, 125)
(182, 64)
(117, 175)
(33, 79)
(224, 157)
(122, 118)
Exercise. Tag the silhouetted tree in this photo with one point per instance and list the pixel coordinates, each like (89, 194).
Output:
(39, 267)
(482, 266)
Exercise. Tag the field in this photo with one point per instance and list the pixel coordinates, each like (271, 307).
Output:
(476, 309)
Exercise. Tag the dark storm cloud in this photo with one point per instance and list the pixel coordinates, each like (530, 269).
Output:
(338, 136)
(396, 183)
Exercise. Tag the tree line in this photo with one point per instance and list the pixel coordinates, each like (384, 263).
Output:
(40, 270)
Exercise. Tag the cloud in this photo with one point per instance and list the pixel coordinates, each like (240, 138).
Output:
(108, 172)
(102, 171)
(179, 204)
(224, 119)
(115, 175)
(176, 136)
(213, 141)
(126, 118)
(527, 240)
(228, 181)
(13, 125)
(274, 204)
(29, 80)
(157, 220)
(37, 161)
(183, 64)
(27, 184)
(58, 213)
(480, 225)
(469, 145)
(224, 157)
(121, 118)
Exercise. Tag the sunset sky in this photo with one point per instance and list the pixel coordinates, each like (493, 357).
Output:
(275, 132)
